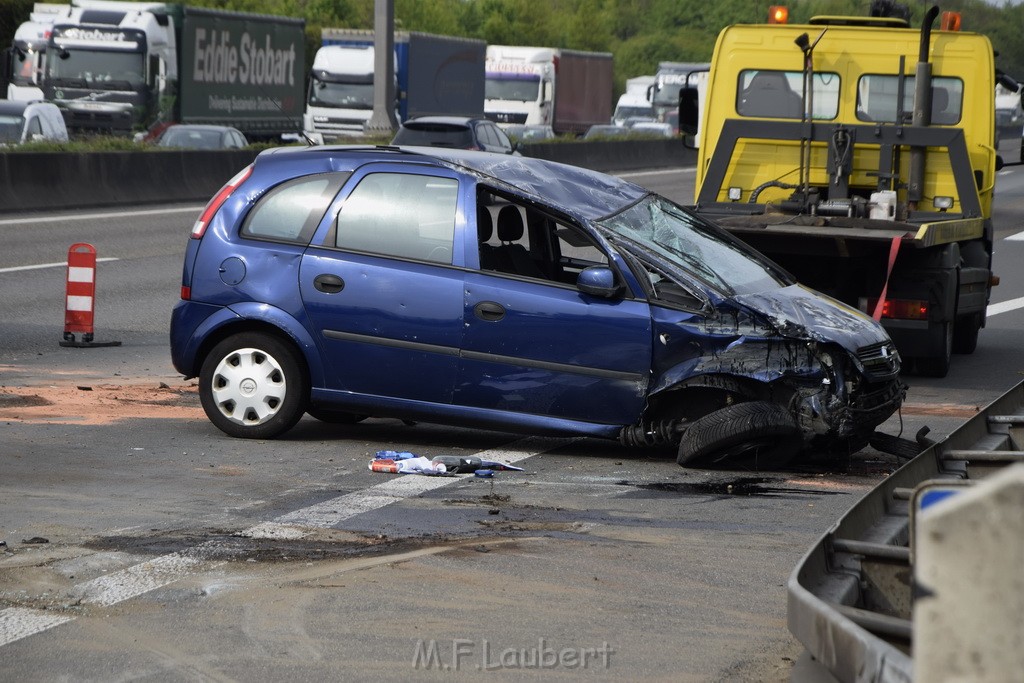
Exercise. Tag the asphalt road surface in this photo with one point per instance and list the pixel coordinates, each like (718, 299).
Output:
(143, 544)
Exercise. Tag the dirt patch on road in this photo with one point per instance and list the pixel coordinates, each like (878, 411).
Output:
(97, 404)
(940, 409)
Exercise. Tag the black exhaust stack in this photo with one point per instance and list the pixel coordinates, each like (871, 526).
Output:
(922, 115)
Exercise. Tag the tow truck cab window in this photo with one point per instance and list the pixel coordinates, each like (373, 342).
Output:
(779, 94)
(878, 95)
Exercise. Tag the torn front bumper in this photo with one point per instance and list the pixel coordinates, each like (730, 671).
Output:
(835, 415)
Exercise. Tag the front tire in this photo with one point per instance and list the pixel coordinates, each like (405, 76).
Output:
(755, 434)
(253, 386)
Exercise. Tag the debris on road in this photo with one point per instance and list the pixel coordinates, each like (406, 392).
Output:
(459, 464)
(393, 462)
(412, 465)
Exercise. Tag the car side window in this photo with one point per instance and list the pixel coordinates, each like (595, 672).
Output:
(402, 215)
(291, 211)
(34, 127)
(483, 134)
(527, 242)
(502, 140)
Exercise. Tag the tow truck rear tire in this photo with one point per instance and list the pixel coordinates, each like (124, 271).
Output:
(938, 366)
(965, 333)
(755, 434)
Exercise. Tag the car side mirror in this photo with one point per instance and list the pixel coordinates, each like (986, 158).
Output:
(598, 281)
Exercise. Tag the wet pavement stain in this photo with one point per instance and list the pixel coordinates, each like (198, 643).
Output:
(235, 547)
(763, 487)
(20, 401)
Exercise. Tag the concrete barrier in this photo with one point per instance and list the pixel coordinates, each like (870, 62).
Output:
(615, 155)
(37, 181)
(54, 180)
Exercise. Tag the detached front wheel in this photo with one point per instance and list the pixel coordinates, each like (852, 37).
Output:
(755, 434)
(253, 386)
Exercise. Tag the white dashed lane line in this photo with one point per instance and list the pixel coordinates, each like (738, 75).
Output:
(110, 589)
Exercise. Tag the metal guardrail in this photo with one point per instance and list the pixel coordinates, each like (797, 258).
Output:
(850, 598)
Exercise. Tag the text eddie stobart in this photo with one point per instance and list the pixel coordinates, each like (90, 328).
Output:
(485, 656)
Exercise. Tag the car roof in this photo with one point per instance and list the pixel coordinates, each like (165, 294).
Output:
(198, 126)
(578, 192)
(448, 120)
(15, 107)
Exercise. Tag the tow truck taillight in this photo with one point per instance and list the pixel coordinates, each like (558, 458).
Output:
(218, 200)
(898, 309)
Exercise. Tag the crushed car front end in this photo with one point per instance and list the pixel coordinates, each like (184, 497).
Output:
(732, 328)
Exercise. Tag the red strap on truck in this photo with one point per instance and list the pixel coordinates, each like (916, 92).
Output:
(894, 248)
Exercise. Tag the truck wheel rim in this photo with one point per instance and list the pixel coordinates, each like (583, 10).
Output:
(248, 387)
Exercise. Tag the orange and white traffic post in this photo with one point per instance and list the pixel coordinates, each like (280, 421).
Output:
(80, 300)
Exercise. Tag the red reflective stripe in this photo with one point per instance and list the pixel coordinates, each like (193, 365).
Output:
(894, 249)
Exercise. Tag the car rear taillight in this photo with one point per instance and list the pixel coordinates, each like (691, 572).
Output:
(218, 200)
(186, 293)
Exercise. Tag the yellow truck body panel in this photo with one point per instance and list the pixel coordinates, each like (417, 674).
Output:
(842, 58)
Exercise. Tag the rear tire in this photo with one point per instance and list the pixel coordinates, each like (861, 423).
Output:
(253, 386)
(938, 366)
(755, 434)
(965, 333)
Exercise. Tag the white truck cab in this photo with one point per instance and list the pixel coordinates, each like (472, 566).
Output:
(340, 98)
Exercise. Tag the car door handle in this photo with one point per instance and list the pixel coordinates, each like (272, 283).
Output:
(489, 311)
(329, 284)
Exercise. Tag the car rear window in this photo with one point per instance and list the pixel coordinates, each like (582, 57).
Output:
(435, 135)
(291, 211)
(10, 128)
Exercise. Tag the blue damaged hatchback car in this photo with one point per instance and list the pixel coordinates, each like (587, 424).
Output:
(513, 294)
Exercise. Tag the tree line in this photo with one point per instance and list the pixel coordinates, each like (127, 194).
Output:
(639, 33)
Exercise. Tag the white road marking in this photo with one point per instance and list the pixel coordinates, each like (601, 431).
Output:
(1005, 306)
(110, 589)
(38, 266)
(98, 216)
(667, 171)
(1019, 237)
(20, 622)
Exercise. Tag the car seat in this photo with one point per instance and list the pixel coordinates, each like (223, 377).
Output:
(514, 256)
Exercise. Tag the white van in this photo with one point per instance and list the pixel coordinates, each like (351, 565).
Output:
(22, 122)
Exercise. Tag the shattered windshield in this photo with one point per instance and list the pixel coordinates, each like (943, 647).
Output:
(709, 254)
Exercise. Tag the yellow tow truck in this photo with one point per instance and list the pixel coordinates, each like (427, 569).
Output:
(858, 153)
